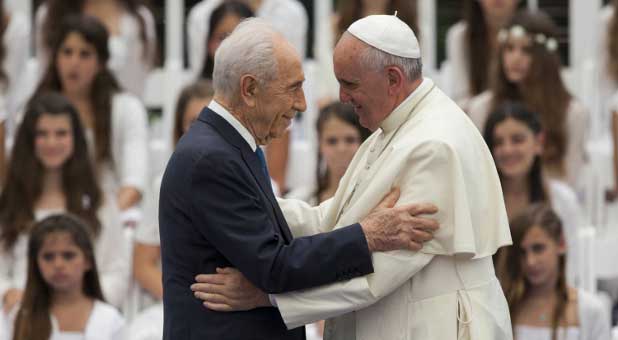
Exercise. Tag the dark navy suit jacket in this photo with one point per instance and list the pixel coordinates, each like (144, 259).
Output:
(217, 209)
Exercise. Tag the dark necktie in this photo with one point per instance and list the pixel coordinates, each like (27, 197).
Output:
(260, 155)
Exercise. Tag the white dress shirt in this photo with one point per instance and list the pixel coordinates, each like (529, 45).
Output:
(236, 124)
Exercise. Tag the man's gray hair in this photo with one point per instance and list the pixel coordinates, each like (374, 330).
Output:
(378, 60)
(249, 49)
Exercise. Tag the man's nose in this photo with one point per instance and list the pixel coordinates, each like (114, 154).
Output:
(300, 104)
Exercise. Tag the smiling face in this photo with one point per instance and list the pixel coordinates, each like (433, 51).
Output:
(277, 102)
(515, 148)
(77, 64)
(366, 90)
(53, 144)
(62, 263)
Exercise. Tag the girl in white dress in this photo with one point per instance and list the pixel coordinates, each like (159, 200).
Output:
(51, 172)
(515, 138)
(115, 121)
(63, 298)
(528, 70)
(131, 30)
(471, 45)
(542, 305)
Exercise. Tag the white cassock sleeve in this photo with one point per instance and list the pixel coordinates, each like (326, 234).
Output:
(429, 173)
(302, 218)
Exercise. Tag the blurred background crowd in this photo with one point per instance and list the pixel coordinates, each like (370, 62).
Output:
(94, 94)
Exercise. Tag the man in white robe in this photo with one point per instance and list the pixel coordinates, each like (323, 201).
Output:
(425, 145)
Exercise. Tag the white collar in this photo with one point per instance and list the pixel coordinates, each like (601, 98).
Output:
(236, 124)
(401, 113)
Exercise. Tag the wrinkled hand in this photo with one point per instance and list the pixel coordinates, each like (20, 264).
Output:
(11, 298)
(228, 291)
(390, 228)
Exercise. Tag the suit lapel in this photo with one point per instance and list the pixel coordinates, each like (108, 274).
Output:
(250, 158)
(256, 170)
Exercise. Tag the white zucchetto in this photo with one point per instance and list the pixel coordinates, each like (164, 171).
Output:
(387, 33)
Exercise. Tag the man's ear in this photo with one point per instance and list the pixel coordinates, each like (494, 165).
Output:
(249, 89)
(395, 79)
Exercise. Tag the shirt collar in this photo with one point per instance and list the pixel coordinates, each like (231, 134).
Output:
(236, 124)
(400, 114)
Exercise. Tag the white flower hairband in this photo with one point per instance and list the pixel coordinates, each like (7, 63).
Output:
(551, 44)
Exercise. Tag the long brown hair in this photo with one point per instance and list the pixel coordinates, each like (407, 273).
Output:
(104, 85)
(517, 111)
(25, 173)
(33, 321)
(542, 90)
(4, 23)
(478, 49)
(229, 7)
(60, 8)
(514, 284)
(612, 42)
(345, 113)
(201, 89)
(352, 10)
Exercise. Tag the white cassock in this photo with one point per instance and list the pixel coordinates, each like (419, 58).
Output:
(430, 150)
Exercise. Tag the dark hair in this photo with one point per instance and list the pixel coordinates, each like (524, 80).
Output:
(4, 24)
(515, 285)
(104, 85)
(344, 112)
(24, 183)
(229, 7)
(542, 91)
(60, 8)
(612, 42)
(199, 89)
(33, 321)
(352, 10)
(477, 47)
(518, 112)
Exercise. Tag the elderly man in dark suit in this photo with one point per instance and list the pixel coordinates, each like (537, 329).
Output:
(217, 208)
